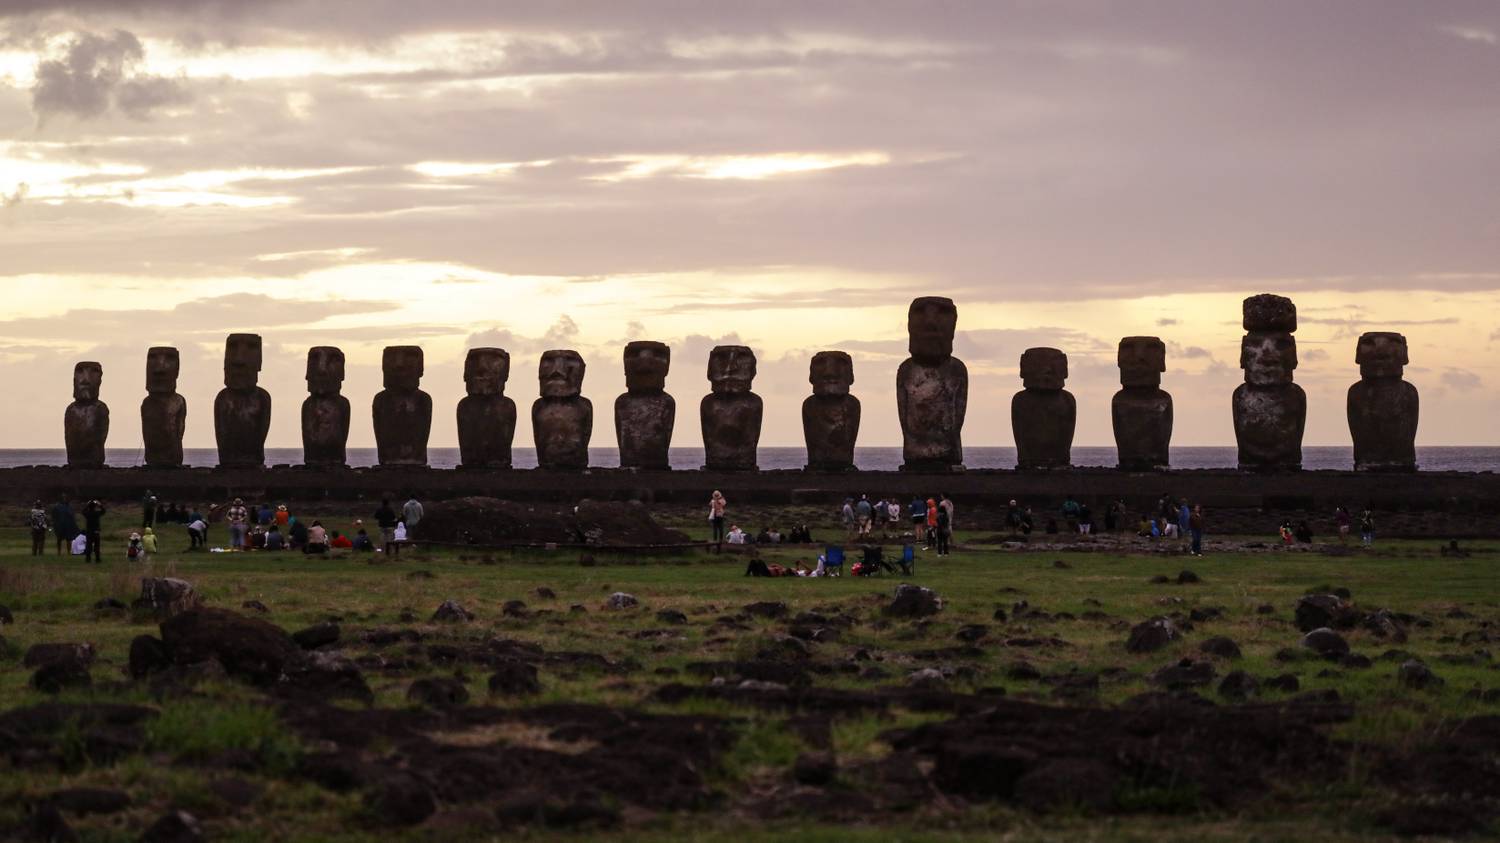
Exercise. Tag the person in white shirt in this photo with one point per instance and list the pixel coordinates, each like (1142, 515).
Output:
(736, 535)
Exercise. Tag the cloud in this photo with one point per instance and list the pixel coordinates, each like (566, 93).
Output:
(1460, 380)
(1165, 322)
(96, 72)
(191, 320)
(1474, 34)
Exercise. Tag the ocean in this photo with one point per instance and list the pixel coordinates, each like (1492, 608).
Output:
(1437, 458)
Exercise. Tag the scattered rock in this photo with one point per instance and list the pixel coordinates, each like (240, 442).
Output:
(999, 615)
(972, 632)
(249, 648)
(109, 604)
(1383, 624)
(235, 791)
(927, 677)
(578, 609)
(1159, 579)
(1187, 578)
(1061, 565)
(1265, 609)
(766, 609)
(1414, 674)
(1069, 783)
(439, 692)
(324, 675)
(5, 616)
(1023, 671)
(45, 654)
(621, 600)
(1319, 611)
(1239, 685)
(53, 677)
(514, 609)
(317, 635)
(452, 612)
(671, 616)
(914, 601)
(1325, 642)
(176, 827)
(1285, 682)
(167, 597)
(255, 606)
(513, 677)
(1205, 613)
(1355, 661)
(1184, 674)
(400, 799)
(815, 769)
(542, 592)
(89, 800)
(47, 824)
(420, 575)
(1152, 635)
(1220, 646)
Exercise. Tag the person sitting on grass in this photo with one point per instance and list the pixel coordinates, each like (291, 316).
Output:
(736, 535)
(274, 539)
(317, 539)
(340, 542)
(296, 534)
(1304, 532)
(1286, 532)
(362, 541)
(134, 550)
(148, 542)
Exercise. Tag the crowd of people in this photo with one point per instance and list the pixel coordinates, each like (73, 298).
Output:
(251, 527)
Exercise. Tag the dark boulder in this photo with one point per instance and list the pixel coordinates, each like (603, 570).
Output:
(452, 612)
(1325, 642)
(766, 609)
(1184, 674)
(513, 677)
(167, 597)
(256, 606)
(514, 609)
(1068, 783)
(914, 601)
(1317, 611)
(5, 616)
(815, 768)
(39, 655)
(323, 674)
(54, 677)
(1188, 578)
(671, 616)
(621, 600)
(1152, 635)
(175, 827)
(147, 656)
(1414, 674)
(400, 800)
(89, 800)
(1220, 646)
(1383, 624)
(972, 632)
(249, 648)
(1239, 685)
(317, 635)
(1285, 682)
(440, 692)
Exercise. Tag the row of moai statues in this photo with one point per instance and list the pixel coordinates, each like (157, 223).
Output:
(932, 385)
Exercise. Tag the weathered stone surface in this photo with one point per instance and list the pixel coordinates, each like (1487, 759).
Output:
(1383, 408)
(514, 677)
(1220, 646)
(1184, 674)
(1239, 685)
(451, 612)
(1142, 410)
(914, 601)
(1043, 415)
(167, 596)
(402, 411)
(1325, 642)
(86, 421)
(830, 416)
(438, 692)
(163, 411)
(932, 389)
(38, 655)
(1324, 610)
(1415, 674)
(1270, 411)
(731, 413)
(325, 411)
(486, 415)
(242, 410)
(248, 648)
(1149, 636)
(318, 635)
(621, 600)
(562, 420)
(645, 414)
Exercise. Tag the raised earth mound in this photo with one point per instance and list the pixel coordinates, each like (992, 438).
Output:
(491, 521)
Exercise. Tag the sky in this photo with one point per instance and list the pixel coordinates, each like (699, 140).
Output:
(780, 174)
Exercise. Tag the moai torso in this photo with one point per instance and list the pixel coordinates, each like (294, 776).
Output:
(830, 416)
(1141, 410)
(932, 389)
(562, 420)
(86, 421)
(731, 414)
(1043, 415)
(402, 411)
(163, 411)
(645, 414)
(1383, 408)
(486, 415)
(325, 411)
(1270, 410)
(242, 410)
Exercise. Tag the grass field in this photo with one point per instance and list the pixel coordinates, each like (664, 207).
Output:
(229, 753)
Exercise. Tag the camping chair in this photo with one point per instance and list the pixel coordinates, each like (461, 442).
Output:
(908, 560)
(833, 560)
(875, 561)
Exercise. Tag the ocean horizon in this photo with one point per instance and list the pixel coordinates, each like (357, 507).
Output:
(1330, 457)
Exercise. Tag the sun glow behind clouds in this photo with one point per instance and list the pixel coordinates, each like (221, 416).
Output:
(56, 183)
(733, 166)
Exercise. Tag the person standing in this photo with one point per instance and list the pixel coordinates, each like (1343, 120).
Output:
(1342, 519)
(38, 522)
(239, 524)
(1070, 511)
(893, 516)
(64, 525)
(944, 528)
(716, 507)
(386, 518)
(1367, 527)
(1195, 527)
(412, 513)
(148, 510)
(946, 504)
(932, 522)
(865, 512)
(1184, 519)
(93, 517)
(918, 512)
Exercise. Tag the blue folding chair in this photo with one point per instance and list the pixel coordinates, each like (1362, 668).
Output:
(908, 560)
(833, 560)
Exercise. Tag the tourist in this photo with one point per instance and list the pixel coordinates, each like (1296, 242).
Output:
(38, 522)
(148, 542)
(282, 516)
(412, 512)
(275, 539)
(1286, 532)
(93, 516)
(942, 529)
(296, 536)
(257, 539)
(317, 539)
(239, 524)
(1070, 512)
(1195, 526)
(386, 519)
(716, 507)
(893, 516)
(264, 515)
(197, 533)
(1169, 528)
(1028, 522)
(774, 535)
(1085, 519)
(764, 537)
(736, 535)
(1143, 529)
(133, 547)
(917, 511)
(850, 525)
(148, 509)
(877, 516)
(341, 542)
(865, 513)
(1367, 527)
(1184, 519)
(1112, 516)
(1343, 521)
(401, 535)
(362, 541)
(64, 524)
(945, 503)
(932, 522)
(1304, 532)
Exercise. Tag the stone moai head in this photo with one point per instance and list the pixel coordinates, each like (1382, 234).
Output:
(646, 366)
(930, 324)
(486, 370)
(561, 374)
(402, 366)
(731, 368)
(242, 361)
(831, 373)
(1043, 368)
(1381, 354)
(163, 364)
(1268, 357)
(1267, 312)
(87, 377)
(1142, 360)
(325, 370)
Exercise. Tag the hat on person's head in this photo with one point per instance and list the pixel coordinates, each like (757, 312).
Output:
(281, 508)
(239, 501)
(135, 537)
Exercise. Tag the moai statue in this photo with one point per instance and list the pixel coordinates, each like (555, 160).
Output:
(86, 421)
(932, 389)
(1142, 411)
(486, 416)
(1382, 406)
(1269, 410)
(242, 410)
(402, 411)
(830, 416)
(163, 411)
(1043, 415)
(325, 411)
(645, 413)
(562, 420)
(731, 413)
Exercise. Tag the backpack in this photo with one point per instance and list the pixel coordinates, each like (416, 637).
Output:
(132, 552)
(38, 520)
